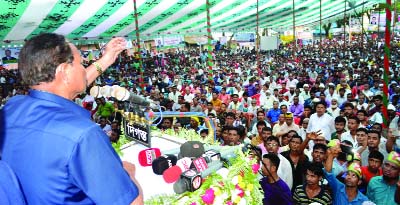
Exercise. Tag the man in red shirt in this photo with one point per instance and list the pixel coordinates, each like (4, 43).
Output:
(375, 159)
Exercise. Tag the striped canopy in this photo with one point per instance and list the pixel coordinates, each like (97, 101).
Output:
(77, 19)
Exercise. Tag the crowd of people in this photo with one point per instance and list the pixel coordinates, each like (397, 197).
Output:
(316, 115)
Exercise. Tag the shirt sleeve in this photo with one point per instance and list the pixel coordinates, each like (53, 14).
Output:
(370, 190)
(332, 181)
(310, 125)
(296, 198)
(95, 168)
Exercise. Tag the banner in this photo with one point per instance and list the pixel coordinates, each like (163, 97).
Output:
(304, 35)
(159, 42)
(172, 40)
(200, 40)
(269, 43)
(9, 55)
(245, 37)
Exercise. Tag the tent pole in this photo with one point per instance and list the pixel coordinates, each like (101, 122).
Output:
(141, 83)
(209, 49)
(294, 31)
(386, 63)
(320, 28)
(362, 30)
(344, 26)
(258, 44)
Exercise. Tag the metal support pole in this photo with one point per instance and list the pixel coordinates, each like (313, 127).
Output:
(362, 29)
(294, 31)
(141, 83)
(320, 28)
(344, 26)
(258, 44)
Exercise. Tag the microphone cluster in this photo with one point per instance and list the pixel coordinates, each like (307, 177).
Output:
(188, 168)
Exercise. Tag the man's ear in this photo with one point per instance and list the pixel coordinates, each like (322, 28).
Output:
(62, 73)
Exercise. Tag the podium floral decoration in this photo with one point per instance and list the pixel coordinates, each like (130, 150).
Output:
(236, 185)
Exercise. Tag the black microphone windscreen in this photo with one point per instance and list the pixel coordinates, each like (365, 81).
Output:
(163, 162)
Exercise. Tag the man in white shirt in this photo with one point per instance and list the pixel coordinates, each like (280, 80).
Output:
(285, 169)
(352, 124)
(104, 125)
(330, 92)
(188, 95)
(361, 103)
(367, 92)
(289, 125)
(305, 94)
(266, 100)
(174, 94)
(321, 121)
(290, 93)
(333, 110)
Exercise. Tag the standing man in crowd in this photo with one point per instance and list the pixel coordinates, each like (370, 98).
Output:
(381, 189)
(348, 192)
(276, 191)
(65, 157)
(321, 121)
(311, 191)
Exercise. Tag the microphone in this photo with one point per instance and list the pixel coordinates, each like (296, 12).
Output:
(212, 155)
(191, 149)
(212, 168)
(191, 179)
(162, 163)
(122, 94)
(173, 173)
(147, 156)
(136, 99)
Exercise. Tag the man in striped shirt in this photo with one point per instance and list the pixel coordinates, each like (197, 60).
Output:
(311, 191)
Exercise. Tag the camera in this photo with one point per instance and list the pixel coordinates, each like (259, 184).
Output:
(348, 151)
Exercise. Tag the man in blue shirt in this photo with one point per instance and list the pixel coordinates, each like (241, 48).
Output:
(347, 193)
(273, 114)
(57, 153)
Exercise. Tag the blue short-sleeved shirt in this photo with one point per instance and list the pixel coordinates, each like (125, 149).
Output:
(339, 192)
(59, 155)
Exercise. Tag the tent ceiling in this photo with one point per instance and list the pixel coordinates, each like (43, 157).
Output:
(21, 19)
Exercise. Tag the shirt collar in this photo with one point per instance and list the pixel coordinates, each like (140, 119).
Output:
(63, 102)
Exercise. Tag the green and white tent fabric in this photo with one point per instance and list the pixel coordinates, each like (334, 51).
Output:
(77, 19)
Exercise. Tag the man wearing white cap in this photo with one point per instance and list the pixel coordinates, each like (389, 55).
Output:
(330, 92)
(266, 100)
(290, 93)
(321, 89)
(305, 94)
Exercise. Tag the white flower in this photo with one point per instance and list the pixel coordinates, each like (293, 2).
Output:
(224, 196)
(223, 172)
(183, 200)
(247, 193)
(235, 180)
(218, 200)
(242, 201)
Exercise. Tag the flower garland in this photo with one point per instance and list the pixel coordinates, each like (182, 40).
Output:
(236, 185)
(186, 134)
